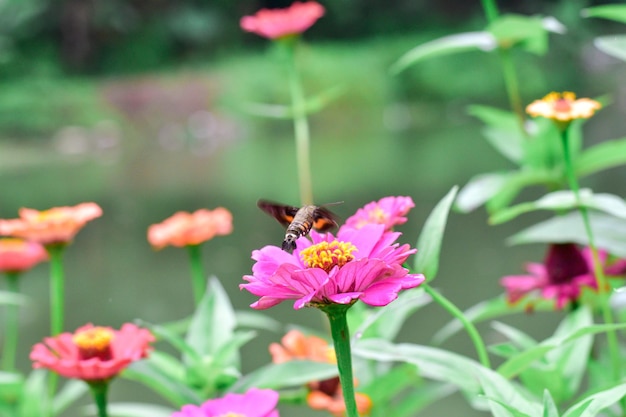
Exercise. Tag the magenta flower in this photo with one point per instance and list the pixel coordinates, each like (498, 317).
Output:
(389, 211)
(278, 23)
(359, 264)
(565, 271)
(254, 403)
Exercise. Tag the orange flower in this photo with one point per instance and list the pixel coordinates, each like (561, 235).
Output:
(334, 404)
(278, 23)
(57, 225)
(183, 228)
(18, 255)
(563, 107)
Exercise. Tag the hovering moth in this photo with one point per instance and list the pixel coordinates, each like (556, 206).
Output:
(299, 221)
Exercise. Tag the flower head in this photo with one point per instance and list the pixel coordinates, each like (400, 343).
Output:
(92, 353)
(565, 271)
(254, 403)
(563, 107)
(18, 255)
(183, 229)
(278, 23)
(333, 402)
(389, 211)
(359, 264)
(296, 346)
(57, 225)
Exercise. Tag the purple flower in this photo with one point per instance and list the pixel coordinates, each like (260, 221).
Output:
(565, 271)
(254, 403)
(359, 264)
(389, 211)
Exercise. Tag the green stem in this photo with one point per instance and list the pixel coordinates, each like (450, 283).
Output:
(198, 279)
(11, 330)
(56, 288)
(99, 391)
(601, 281)
(340, 332)
(491, 10)
(300, 125)
(471, 330)
(512, 87)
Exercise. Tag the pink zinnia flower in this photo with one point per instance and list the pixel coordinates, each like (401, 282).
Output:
(18, 255)
(254, 403)
(278, 23)
(57, 225)
(92, 353)
(561, 277)
(359, 264)
(389, 211)
(183, 229)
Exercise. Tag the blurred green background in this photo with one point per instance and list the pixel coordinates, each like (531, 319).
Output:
(137, 105)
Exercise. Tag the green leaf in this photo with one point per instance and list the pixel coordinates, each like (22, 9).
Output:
(135, 410)
(257, 320)
(614, 45)
(72, 391)
(447, 45)
(213, 323)
(591, 405)
(565, 200)
(479, 190)
(615, 12)
(11, 386)
(549, 407)
(519, 338)
(35, 394)
(603, 156)
(419, 398)
(609, 232)
(503, 131)
(515, 183)
(384, 388)
(528, 32)
(287, 374)
(429, 241)
(172, 337)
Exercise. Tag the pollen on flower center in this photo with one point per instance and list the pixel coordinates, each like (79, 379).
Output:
(326, 255)
(94, 343)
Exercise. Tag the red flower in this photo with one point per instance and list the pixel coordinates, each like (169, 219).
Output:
(17, 255)
(278, 23)
(183, 229)
(92, 353)
(53, 226)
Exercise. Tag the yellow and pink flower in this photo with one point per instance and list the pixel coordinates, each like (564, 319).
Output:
(92, 353)
(19, 255)
(563, 107)
(184, 229)
(390, 211)
(58, 225)
(279, 23)
(254, 403)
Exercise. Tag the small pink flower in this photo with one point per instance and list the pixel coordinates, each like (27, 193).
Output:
(254, 403)
(57, 225)
(359, 264)
(183, 229)
(278, 23)
(18, 255)
(92, 353)
(561, 277)
(389, 211)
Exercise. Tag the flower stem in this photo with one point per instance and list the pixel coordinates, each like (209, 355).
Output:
(99, 391)
(491, 10)
(12, 324)
(601, 281)
(337, 315)
(198, 279)
(56, 288)
(471, 330)
(300, 125)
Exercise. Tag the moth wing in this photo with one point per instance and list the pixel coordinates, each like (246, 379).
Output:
(283, 213)
(324, 219)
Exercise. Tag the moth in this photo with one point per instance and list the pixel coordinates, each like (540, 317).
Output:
(299, 220)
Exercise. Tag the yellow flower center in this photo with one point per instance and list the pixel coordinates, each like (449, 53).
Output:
(13, 244)
(231, 415)
(326, 255)
(94, 343)
(50, 215)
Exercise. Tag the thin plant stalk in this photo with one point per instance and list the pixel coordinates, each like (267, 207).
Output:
(491, 10)
(300, 125)
(601, 281)
(11, 330)
(337, 316)
(57, 285)
(479, 344)
(198, 279)
(99, 392)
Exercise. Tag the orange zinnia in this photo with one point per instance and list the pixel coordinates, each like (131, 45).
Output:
(563, 107)
(184, 229)
(57, 225)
